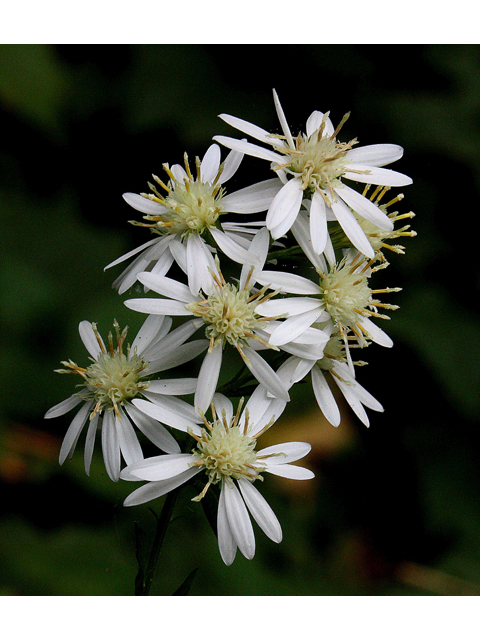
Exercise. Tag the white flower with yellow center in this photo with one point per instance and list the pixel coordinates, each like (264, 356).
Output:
(183, 211)
(230, 317)
(116, 391)
(226, 453)
(333, 366)
(314, 165)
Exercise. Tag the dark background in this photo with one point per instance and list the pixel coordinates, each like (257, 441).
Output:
(394, 509)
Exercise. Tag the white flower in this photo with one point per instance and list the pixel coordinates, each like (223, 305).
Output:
(188, 210)
(225, 452)
(333, 367)
(230, 316)
(315, 164)
(117, 393)
(342, 298)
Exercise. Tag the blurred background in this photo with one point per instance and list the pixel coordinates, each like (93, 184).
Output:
(394, 509)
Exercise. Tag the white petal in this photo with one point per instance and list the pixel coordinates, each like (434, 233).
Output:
(253, 199)
(294, 369)
(226, 542)
(127, 439)
(364, 207)
(250, 149)
(179, 253)
(308, 351)
(250, 129)
(162, 414)
(223, 404)
(313, 122)
(375, 155)
(153, 430)
(283, 120)
(179, 173)
(63, 407)
(208, 378)
(285, 452)
(375, 333)
(89, 339)
(239, 521)
(110, 446)
(290, 471)
(232, 249)
(287, 306)
(166, 287)
(230, 165)
(375, 175)
(285, 205)
(210, 164)
(352, 229)
(173, 387)
(288, 282)
(264, 373)
(290, 329)
(318, 223)
(128, 255)
(199, 260)
(183, 353)
(90, 443)
(145, 205)
(161, 467)
(153, 490)
(261, 511)
(256, 407)
(73, 432)
(301, 231)
(152, 306)
(350, 396)
(325, 398)
(169, 343)
(147, 334)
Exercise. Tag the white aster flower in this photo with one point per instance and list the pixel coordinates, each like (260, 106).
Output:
(332, 366)
(185, 212)
(225, 452)
(315, 165)
(116, 391)
(230, 316)
(342, 299)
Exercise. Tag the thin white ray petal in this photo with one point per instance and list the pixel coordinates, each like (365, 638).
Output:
(230, 165)
(173, 387)
(287, 306)
(364, 207)
(288, 282)
(376, 175)
(291, 328)
(313, 122)
(375, 333)
(90, 443)
(165, 415)
(375, 155)
(250, 149)
(183, 353)
(294, 369)
(153, 306)
(153, 490)
(130, 254)
(233, 250)
(253, 199)
(265, 375)
(325, 398)
(199, 260)
(285, 452)
(210, 164)
(250, 129)
(145, 205)
(283, 120)
(318, 223)
(153, 430)
(352, 228)
(163, 467)
(291, 471)
(226, 542)
(287, 200)
(147, 334)
(179, 253)
(127, 439)
(73, 432)
(110, 446)
(222, 403)
(261, 511)
(167, 287)
(239, 520)
(351, 397)
(259, 248)
(89, 339)
(63, 407)
(208, 378)
(301, 232)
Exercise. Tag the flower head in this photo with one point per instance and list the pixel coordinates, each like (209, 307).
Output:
(184, 210)
(315, 165)
(115, 390)
(226, 453)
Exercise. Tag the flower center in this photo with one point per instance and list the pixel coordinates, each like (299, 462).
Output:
(114, 379)
(229, 315)
(192, 205)
(226, 452)
(346, 293)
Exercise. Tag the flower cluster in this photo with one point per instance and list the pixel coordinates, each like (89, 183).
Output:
(285, 296)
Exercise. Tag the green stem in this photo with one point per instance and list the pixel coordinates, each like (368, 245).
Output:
(163, 520)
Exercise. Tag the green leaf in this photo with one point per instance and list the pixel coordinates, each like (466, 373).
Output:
(184, 588)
